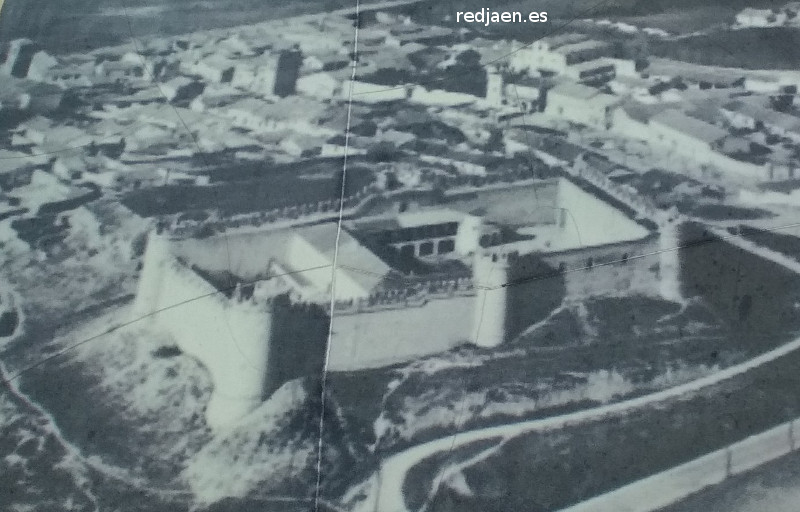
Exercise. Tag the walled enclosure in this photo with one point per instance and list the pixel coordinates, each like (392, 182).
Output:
(251, 344)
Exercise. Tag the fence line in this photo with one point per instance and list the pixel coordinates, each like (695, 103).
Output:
(671, 486)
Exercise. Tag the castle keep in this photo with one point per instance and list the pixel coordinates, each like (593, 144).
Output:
(256, 307)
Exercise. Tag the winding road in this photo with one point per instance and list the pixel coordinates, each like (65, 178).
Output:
(386, 485)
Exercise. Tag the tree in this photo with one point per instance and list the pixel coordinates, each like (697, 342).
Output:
(469, 58)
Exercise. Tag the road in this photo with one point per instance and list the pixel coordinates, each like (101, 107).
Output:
(386, 487)
(387, 492)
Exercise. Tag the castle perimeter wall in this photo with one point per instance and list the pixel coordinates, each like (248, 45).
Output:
(629, 267)
(592, 222)
(229, 337)
(243, 254)
(380, 338)
(513, 205)
(755, 296)
(298, 339)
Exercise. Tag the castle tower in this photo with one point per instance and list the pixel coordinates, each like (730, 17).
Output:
(287, 72)
(18, 58)
(153, 266)
(491, 274)
(669, 259)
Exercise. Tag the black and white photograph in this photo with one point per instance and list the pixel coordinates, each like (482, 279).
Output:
(399, 256)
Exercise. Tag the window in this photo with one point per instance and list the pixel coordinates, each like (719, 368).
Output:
(426, 249)
(446, 246)
(407, 251)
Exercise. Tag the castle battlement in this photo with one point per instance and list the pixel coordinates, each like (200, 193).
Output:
(424, 283)
(408, 297)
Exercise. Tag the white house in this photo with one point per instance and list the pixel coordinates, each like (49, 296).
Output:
(213, 68)
(596, 71)
(756, 115)
(257, 75)
(751, 17)
(365, 92)
(540, 52)
(686, 135)
(321, 86)
(295, 114)
(570, 54)
(68, 76)
(40, 66)
(631, 119)
(437, 97)
(581, 104)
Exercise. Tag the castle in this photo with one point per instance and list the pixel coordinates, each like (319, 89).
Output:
(261, 307)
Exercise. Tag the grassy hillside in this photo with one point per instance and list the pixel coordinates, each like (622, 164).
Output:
(89, 24)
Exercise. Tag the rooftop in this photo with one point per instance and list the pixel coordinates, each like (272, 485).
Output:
(593, 64)
(582, 92)
(11, 161)
(352, 258)
(759, 110)
(580, 46)
(409, 220)
(690, 126)
(563, 39)
(642, 112)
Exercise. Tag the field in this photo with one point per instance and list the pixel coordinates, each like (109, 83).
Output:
(90, 24)
(548, 471)
(773, 48)
(584, 355)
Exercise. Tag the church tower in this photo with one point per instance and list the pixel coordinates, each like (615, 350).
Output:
(494, 88)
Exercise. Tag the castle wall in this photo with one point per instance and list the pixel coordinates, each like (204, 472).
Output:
(593, 222)
(380, 338)
(228, 337)
(631, 267)
(535, 289)
(758, 298)
(245, 255)
(297, 342)
(491, 275)
(513, 205)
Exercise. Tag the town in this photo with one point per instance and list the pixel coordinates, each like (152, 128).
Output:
(464, 243)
